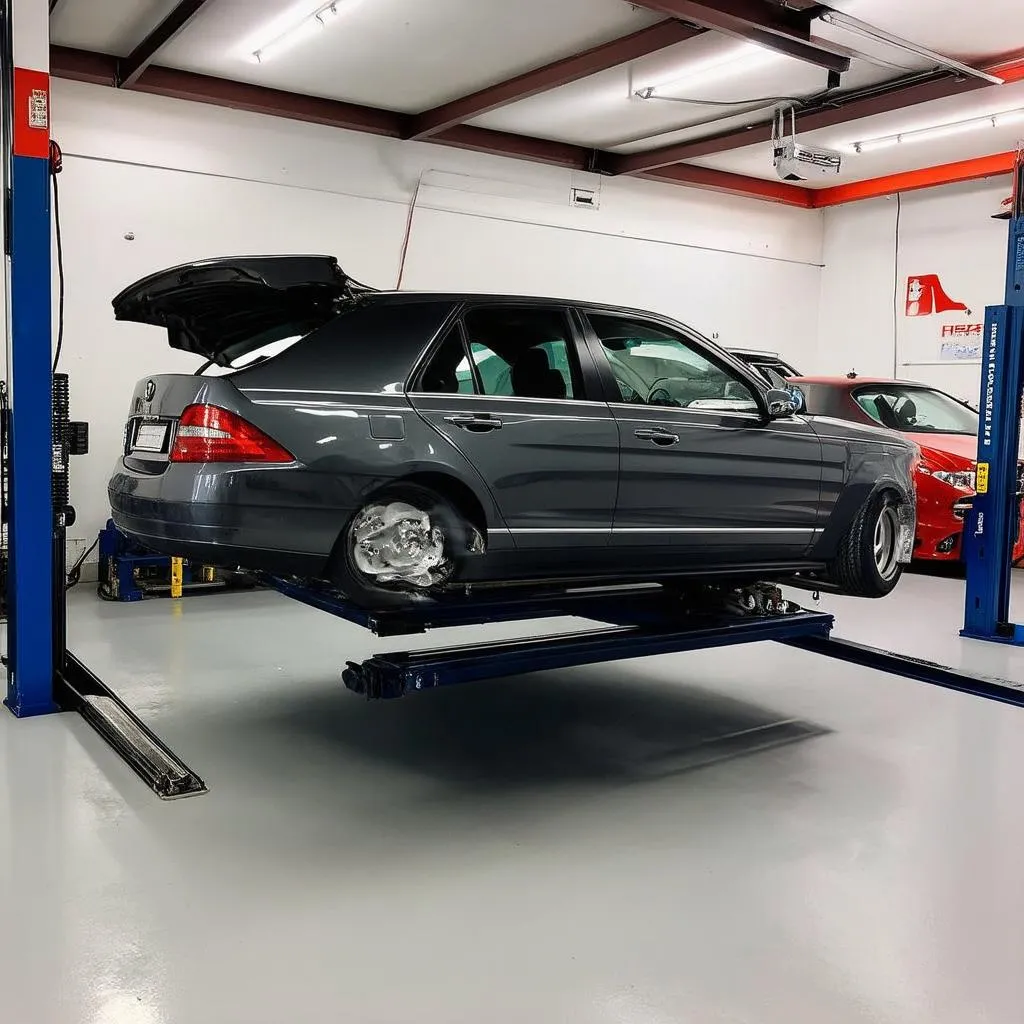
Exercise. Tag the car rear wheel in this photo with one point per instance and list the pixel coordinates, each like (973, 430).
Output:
(401, 547)
(867, 564)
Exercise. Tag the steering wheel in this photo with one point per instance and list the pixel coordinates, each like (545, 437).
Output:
(655, 390)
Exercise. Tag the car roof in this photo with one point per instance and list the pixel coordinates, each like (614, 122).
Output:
(404, 296)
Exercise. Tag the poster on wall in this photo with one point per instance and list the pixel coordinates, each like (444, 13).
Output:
(951, 264)
(939, 328)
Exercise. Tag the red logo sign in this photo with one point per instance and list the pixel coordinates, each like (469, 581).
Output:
(925, 295)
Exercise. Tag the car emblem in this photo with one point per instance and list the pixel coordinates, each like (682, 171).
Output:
(150, 390)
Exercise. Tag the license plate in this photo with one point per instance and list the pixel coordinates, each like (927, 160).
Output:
(150, 437)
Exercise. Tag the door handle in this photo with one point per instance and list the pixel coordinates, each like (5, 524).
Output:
(659, 437)
(475, 423)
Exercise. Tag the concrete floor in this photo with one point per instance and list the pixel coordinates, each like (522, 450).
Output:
(581, 846)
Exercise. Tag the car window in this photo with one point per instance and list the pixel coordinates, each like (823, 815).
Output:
(655, 366)
(916, 410)
(523, 352)
(448, 371)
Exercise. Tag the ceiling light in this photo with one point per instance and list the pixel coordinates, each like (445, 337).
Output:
(308, 27)
(938, 131)
(862, 28)
(745, 58)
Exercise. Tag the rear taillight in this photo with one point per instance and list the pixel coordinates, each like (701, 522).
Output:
(207, 433)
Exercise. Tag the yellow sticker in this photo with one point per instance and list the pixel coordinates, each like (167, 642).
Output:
(982, 481)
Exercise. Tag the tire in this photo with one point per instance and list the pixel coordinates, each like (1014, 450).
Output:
(866, 565)
(446, 529)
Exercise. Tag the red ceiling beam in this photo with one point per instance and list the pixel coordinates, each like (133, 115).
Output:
(129, 68)
(735, 184)
(551, 76)
(881, 100)
(524, 147)
(910, 181)
(101, 69)
(774, 27)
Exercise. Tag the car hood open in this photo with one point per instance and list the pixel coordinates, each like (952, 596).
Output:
(222, 309)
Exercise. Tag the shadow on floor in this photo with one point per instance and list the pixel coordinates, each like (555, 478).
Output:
(580, 725)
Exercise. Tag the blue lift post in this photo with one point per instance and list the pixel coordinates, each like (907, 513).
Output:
(26, 136)
(991, 525)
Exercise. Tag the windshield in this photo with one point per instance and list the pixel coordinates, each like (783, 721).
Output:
(916, 410)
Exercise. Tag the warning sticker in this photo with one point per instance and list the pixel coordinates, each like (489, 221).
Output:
(981, 484)
(38, 109)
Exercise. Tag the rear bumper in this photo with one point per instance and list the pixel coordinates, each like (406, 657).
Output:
(273, 520)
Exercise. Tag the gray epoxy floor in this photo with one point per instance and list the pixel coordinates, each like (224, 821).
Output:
(581, 846)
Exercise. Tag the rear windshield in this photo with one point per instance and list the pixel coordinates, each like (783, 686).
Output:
(916, 410)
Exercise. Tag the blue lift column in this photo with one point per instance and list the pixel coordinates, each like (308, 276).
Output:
(26, 100)
(990, 527)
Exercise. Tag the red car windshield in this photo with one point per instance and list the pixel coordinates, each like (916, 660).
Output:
(916, 410)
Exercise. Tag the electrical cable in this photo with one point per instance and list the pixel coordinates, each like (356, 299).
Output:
(60, 269)
(75, 572)
(754, 103)
(896, 287)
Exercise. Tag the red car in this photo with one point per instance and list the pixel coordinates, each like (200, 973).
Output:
(944, 428)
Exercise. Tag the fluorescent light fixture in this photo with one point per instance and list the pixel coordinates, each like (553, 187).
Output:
(307, 28)
(938, 131)
(747, 57)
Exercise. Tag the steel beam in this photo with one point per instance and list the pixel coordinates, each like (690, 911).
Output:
(101, 69)
(734, 184)
(130, 67)
(786, 32)
(551, 76)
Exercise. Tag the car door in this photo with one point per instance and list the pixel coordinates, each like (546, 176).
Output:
(513, 387)
(703, 471)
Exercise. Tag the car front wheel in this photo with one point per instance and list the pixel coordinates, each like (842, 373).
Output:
(867, 563)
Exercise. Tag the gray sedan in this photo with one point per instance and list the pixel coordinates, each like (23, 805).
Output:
(402, 445)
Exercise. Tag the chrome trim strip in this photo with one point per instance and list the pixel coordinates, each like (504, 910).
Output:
(677, 409)
(667, 529)
(456, 396)
(397, 395)
(600, 529)
(716, 529)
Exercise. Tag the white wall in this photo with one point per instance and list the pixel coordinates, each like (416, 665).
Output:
(188, 181)
(945, 231)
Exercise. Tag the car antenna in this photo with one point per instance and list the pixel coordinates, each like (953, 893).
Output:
(852, 375)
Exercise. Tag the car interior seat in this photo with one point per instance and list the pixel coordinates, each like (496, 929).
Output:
(886, 416)
(533, 377)
(907, 414)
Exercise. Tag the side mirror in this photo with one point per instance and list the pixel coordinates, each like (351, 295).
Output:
(780, 404)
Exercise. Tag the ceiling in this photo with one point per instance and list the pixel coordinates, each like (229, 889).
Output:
(405, 58)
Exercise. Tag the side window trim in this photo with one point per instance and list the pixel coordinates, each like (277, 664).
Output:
(415, 378)
(729, 364)
(571, 339)
(474, 370)
(747, 376)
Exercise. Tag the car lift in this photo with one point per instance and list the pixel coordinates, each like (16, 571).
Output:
(991, 524)
(43, 676)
